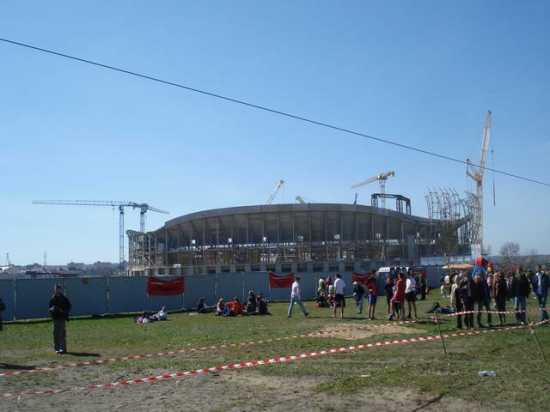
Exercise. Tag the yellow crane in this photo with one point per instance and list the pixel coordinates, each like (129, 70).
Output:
(476, 173)
(382, 177)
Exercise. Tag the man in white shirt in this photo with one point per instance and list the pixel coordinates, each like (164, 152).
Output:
(295, 297)
(339, 300)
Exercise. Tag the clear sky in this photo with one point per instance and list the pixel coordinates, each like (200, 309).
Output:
(418, 73)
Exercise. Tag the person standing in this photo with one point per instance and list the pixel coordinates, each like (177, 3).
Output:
(540, 287)
(359, 296)
(295, 298)
(410, 294)
(339, 300)
(388, 288)
(500, 293)
(520, 293)
(59, 310)
(422, 286)
(466, 293)
(372, 289)
(456, 303)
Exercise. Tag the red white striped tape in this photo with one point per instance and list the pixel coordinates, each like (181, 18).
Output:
(509, 312)
(261, 362)
(176, 352)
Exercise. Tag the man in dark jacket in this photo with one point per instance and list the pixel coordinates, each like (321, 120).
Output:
(59, 310)
(520, 290)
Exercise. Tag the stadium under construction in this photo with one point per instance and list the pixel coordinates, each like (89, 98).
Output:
(302, 237)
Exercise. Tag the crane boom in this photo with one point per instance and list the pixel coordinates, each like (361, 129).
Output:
(275, 191)
(382, 177)
(143, 208)
(476, 174)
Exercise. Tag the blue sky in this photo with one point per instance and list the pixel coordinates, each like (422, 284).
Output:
(419, 73)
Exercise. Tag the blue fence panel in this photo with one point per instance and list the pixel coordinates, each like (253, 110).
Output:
(88, 296)
(172, 302)
(256, 282)
(230, 285)
(127, 294)
(7, 293)
(33, 296)
(201, 286)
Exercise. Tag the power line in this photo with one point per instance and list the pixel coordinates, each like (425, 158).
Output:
(269, 110)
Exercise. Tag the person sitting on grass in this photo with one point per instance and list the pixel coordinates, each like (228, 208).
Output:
(162, 314)
(251, 304)
(221, 308)
(144, 318)
(261, 305)
(322, 301)
(236, 307)
(202, 307)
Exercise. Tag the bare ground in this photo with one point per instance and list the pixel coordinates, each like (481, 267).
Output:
(243, 390)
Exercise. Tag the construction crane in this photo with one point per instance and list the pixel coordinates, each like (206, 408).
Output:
(382, 177)
(476, 173)
(275, 191)
(143, 208)
(301, 200)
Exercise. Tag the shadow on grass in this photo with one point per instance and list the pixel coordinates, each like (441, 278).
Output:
(13, 367)
(84, 354)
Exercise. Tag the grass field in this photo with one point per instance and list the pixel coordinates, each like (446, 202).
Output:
(406, 376)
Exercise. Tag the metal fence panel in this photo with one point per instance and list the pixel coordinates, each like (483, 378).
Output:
(88, 296)
(7, 293)
(127, 294)
(33, 296)
(197, 286)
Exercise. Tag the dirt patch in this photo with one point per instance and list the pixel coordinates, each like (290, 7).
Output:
(234, 391)
(360, 331)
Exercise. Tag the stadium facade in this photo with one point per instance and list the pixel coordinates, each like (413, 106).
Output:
(283, 238)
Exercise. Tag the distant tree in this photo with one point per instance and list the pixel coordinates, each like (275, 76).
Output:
(510, 253)
(531, 259)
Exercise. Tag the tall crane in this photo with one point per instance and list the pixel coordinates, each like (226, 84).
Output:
(143, 208)
(275, 191)
(382, 177)
(476, 173)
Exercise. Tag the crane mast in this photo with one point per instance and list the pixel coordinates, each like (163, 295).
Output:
(476, 174)
(143, 208)
(382, 177)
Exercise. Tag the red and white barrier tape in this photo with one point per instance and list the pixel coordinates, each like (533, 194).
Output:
(176, 352)
(509, 312)
(260, 362)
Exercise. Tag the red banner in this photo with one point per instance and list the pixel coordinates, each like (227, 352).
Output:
(361, 279)
(280, 281)
(161, 287)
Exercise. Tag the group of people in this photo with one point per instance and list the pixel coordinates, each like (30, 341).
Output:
(400, 290)
(487, 293)
(256, 304)
(328, 295)
(148, 317)
(367, 291)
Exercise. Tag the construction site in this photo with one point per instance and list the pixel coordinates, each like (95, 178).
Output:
(307, 236)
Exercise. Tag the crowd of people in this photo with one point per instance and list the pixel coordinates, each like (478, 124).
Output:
(481, 294)
(486, 293)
